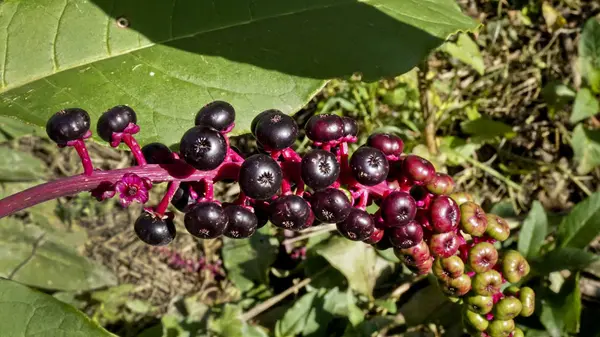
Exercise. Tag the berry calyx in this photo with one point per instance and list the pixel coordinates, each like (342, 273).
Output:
(357, 226)
(242, 223)
(319, 169)
(115, 120)
(369, 166)
(276, 130)
(291, 212)
(206, 220)
(260, 177)
(330, 205)
(324, 128)
(218, 115)
(154, 229)
(68, 125)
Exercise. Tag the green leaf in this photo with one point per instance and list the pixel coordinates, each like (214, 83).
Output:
(366, 265)
(467, 51)
(565, 258)
(230, 324)
(248, 261)
(586, 148)
(486, 129)
(370, 327)
(20, 166)
(176, 56)
(534, 231)
(589, 53)
(582, 224)
(456, 149)
(11, 128)
(35, 314)
(39, 258)
(586, 105)
(427, 305)
(557, 94)
(560, 313)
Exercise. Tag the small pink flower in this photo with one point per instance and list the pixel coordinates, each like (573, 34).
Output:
(105, 190)
(133, 188)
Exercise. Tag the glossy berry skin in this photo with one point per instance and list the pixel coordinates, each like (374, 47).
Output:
(488, 283)
(480, 304)
(407, 235)
(514, 266)
(115, 120)
(157, 153)
(444, 214)
(206, 220)
(350, 128)
(358, 226)
(501, 328)
(369, 166)
(444, 244)
(390, 145)
(473, 220)
(527, 299)
(448, 268)
(68, 125)
(441, 184)
(497, 227)
(182, 199)
(418, 169)
(507, 308)
(415, 255)
(276, 130)
(375, 237)
(461, 197)
(218, 115)
(330, 205)
(203, 147)
(260, 177)
(482, 257)
(319, 169)
(153, 230)
(242, 223)
(398, 208)
(324, 128)
(257, 118)
(459, 286)
(474, 320)
(291, 212)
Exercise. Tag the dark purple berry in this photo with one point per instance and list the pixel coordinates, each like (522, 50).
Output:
(330, 205)
(182, 198)
(242, 222)
(203, 147)
(445, 214)
(390, 145)
(206, 220)
(260, 177)
(398, 208)
(218, 115)
(115, 120)
(376, 236)
(369, 166)
(264, 114)
(291, 212)
(67, 125)
(157, 153)
(358, 226)
(324, 128)
(418, 169)
(154, 230)
(319, 169)
(407, 235)
(350, 127)
(261, 210)
(276, 130)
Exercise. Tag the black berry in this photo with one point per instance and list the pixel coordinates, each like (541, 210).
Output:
(386, 143)
(203, 147)
(206, 220)
(418, 169)
(182, 198)
(319, 169)
(330, 205)
(291, 212)
(218, 115)
(398, 208)
(369, 166)
(115, 120)
(242, 222)
(324, 128)
(153, 230)
(350, 127)
(407, 235)
(358, 226)
(264, 114)
(157, 153)
(276, 130)
(67, 125)
(260, 177)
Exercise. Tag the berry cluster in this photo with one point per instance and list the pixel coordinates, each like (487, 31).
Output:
(429, 227)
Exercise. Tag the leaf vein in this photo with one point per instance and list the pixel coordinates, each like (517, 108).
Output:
(59, 21)
(4, 84)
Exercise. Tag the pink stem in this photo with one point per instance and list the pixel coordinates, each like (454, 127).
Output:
(164, 203)
(135, 148)
(291, 155)
(362, 201)
(286, 188)
(209, 189)
(88, 167)
(234, 156)
(81, 183)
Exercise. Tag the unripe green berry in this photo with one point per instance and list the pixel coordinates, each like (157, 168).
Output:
(507, 308)
(448, 268)
(473, 220)
(461, 197)
(483, 257)
(457, 286)
(514, 266)
(480, 304)
(512, 291)
(527, 298)
(518, 333)
(474, 320)
(488, 283)
(497, 227)
(500, 328)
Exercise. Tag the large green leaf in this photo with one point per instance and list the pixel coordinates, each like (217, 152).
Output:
(19, 166)
(586, 105)
(589, 53)
(582, 224)
(31, 255)
(11, 128)
(534, 231)
(586, 148)
(565, 258)
(27, 312)
(230, 324)
(560, 313)
(467, 51)
(178, 55)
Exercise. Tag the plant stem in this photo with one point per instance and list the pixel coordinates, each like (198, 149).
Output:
(82, 151)
(321, 230)
(133, 145)
(489, 171)
(164, 203)
(428, 115)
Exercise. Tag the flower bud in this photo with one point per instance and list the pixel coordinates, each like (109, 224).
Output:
(473, 220)
(514, 266)
(488, 283)
(448, 268)
(480, 304)
(507, 308)
(483, 257)
(497, 227)
(527, 298)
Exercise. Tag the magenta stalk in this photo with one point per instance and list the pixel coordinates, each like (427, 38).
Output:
(135, 148)
(162, 206)
(88, 167)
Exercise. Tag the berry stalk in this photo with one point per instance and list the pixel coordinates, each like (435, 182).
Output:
(161, 208)
(86, 162)
(130, 141)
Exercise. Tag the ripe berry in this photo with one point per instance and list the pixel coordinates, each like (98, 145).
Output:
(415, 255)
(527, 299)
(330, 205)
(358, 226)
(67, 125)
(260, 177)
(407, 235)
(459, 286)
(472, 219)
(507, 308)
(350, 128)
(242, 222)
(482, 257)
(319, 169)
(418, 169)
(369, 166)
(480, 304)
(218, 115)
(291, 212)
(448, 268)
(203, 147)
(324, 128)
(514, 266)
(157, 153)
(501, 328)
(206, 220)
(261, 210)
(182, 198)
(445, 214)
(398, 208)
(441, 184)
(115, 120)
(276, 130)
(264, 114)
(488, 283)
(375, 237)
(153, 230)
(444, 244)
(497, 227)
(390, 145)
